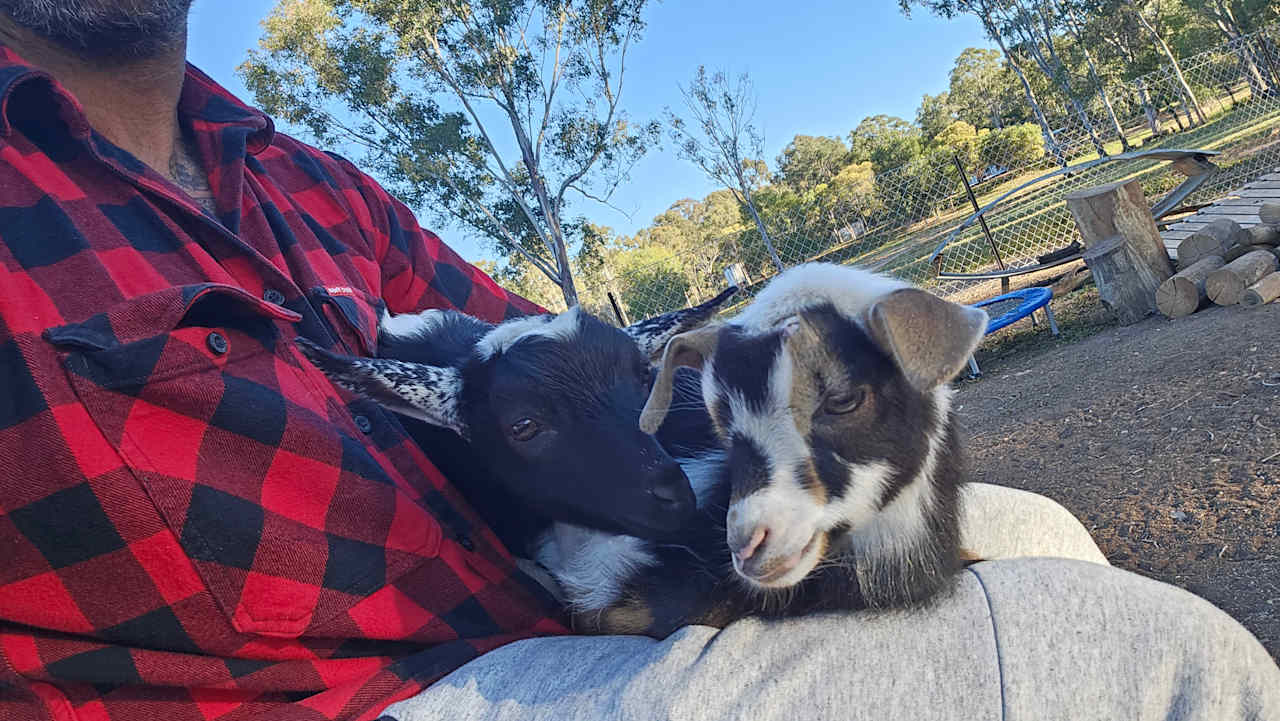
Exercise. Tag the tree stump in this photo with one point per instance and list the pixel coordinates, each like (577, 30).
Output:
(1270, 213)
(1122, 247)
(1183, 294)
(1216, 238)
(1264, 291)
(1226, 285)
(1262, 235)
(1126, 285)
(1120, 208)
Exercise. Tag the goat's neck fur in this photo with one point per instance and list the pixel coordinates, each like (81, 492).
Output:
(907, 549)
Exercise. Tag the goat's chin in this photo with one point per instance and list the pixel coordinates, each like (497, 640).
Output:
(792, 571)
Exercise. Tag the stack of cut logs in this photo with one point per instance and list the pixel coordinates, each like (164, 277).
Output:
(1225, 264)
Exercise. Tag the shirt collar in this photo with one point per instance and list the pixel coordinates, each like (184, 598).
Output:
(202, 100)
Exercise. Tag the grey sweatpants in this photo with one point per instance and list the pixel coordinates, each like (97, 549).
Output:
(1025, 638)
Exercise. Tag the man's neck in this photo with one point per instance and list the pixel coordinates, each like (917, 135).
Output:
(131, 103)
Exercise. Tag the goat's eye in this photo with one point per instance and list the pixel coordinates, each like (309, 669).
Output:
(525, 429)
(844, 402)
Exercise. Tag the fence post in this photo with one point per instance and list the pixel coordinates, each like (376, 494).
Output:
(609, 283)
(973, 200)
(1264, 41)
(622, 319)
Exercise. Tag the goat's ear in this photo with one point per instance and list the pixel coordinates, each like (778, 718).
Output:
(433, 337)
(427, 392)
(652, 335)
(929, 339)
(690, 349)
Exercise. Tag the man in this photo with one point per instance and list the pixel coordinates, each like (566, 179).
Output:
(196, 525)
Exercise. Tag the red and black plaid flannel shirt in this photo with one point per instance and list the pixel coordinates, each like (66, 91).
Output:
(194, 524)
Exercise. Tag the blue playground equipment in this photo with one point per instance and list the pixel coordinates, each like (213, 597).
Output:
(1014, 306)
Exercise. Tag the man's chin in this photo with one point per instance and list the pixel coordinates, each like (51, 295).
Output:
(105, 30)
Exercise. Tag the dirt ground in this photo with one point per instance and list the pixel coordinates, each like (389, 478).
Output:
(1162, 437)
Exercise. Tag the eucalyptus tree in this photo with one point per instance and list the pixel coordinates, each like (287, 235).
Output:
(495, 114)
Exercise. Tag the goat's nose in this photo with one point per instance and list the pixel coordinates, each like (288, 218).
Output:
(749, 548)
(665, 492)
(673, 488)
(744, 547)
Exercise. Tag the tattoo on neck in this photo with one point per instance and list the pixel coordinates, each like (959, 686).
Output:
(186, 173)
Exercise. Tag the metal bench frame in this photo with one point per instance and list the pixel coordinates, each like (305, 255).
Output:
(1192, 163)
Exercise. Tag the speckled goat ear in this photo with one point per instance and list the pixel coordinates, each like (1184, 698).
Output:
(429, 393)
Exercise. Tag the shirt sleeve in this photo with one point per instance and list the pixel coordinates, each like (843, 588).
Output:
(419, 271)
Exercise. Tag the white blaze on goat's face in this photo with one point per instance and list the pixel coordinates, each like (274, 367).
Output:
(776, 507)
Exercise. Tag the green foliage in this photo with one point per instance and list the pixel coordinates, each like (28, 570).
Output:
(959, 139)
(1011, 147)
(934, 114)
(652, 281)
(983, 91)
(721, 138)
(851, 194)
(809, 161)
(885, 141)
(460, 109)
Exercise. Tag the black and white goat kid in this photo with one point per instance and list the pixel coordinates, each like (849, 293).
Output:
(534, 419)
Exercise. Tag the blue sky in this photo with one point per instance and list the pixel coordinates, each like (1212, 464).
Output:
(819, 67)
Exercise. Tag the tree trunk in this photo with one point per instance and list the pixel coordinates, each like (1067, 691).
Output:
(1077, 30)
(993, 32)
(1054, 69)
(1249, 68)
(1270, 213)
(567, 287)
(1225, 19)
(1226, 286)
(1268, 50)
(1106, 102)
(1173, 62)
(764, 234)
(1120, 208)
(1183, 293)
(1153, 118)
(1263, 235)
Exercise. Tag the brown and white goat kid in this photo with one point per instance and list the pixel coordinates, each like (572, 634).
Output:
(841, 470)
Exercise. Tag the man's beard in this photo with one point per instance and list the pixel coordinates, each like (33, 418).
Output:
(118, 30)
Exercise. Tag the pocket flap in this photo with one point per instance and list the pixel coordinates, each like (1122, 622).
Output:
(355, 312)
(162, 311)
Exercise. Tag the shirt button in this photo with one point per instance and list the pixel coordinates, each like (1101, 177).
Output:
(465, 541)
(364, 424)
(273, 296)
(218, 343)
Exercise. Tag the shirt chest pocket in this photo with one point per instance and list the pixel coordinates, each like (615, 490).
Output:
(352, 316)
(246, 452)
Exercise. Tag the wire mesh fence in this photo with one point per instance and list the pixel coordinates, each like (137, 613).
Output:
(1225, 99)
